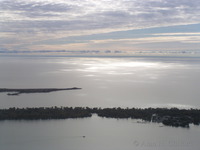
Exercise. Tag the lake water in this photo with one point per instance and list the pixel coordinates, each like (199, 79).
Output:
(105, 82)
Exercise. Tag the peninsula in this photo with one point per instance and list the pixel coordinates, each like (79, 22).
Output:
(12, 92)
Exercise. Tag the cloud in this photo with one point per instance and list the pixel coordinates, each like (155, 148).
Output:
(93, 14)
(39, 20)
(178, 34)
(34, 7)
(182, 39)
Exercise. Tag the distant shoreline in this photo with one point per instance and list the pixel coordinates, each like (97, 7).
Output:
(102, 56)
(15, 92)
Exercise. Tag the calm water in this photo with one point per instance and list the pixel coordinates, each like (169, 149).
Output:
(105, 82)
(107, 134)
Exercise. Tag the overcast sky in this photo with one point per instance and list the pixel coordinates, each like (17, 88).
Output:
(55, 25)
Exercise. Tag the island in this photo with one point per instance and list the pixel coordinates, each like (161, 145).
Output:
(14, 92)
(167, 116)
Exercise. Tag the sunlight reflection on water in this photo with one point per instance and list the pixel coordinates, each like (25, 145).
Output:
(105, 82)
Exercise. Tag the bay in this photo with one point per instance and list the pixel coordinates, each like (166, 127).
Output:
(105, 82)
(95, 133)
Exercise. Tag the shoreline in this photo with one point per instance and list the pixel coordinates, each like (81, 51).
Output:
(15, 92)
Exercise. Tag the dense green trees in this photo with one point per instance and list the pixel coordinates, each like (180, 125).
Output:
(43, 113)
(175, 116)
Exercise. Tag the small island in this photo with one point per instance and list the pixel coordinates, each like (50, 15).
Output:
(170, 117)
(15, 92)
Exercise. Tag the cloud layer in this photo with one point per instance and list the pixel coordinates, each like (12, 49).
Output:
(24, 23)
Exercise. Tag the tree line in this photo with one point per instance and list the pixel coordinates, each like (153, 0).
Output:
(43, 113)
(189, 115)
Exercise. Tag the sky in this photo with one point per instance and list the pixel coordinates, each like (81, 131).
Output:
(95, 26)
